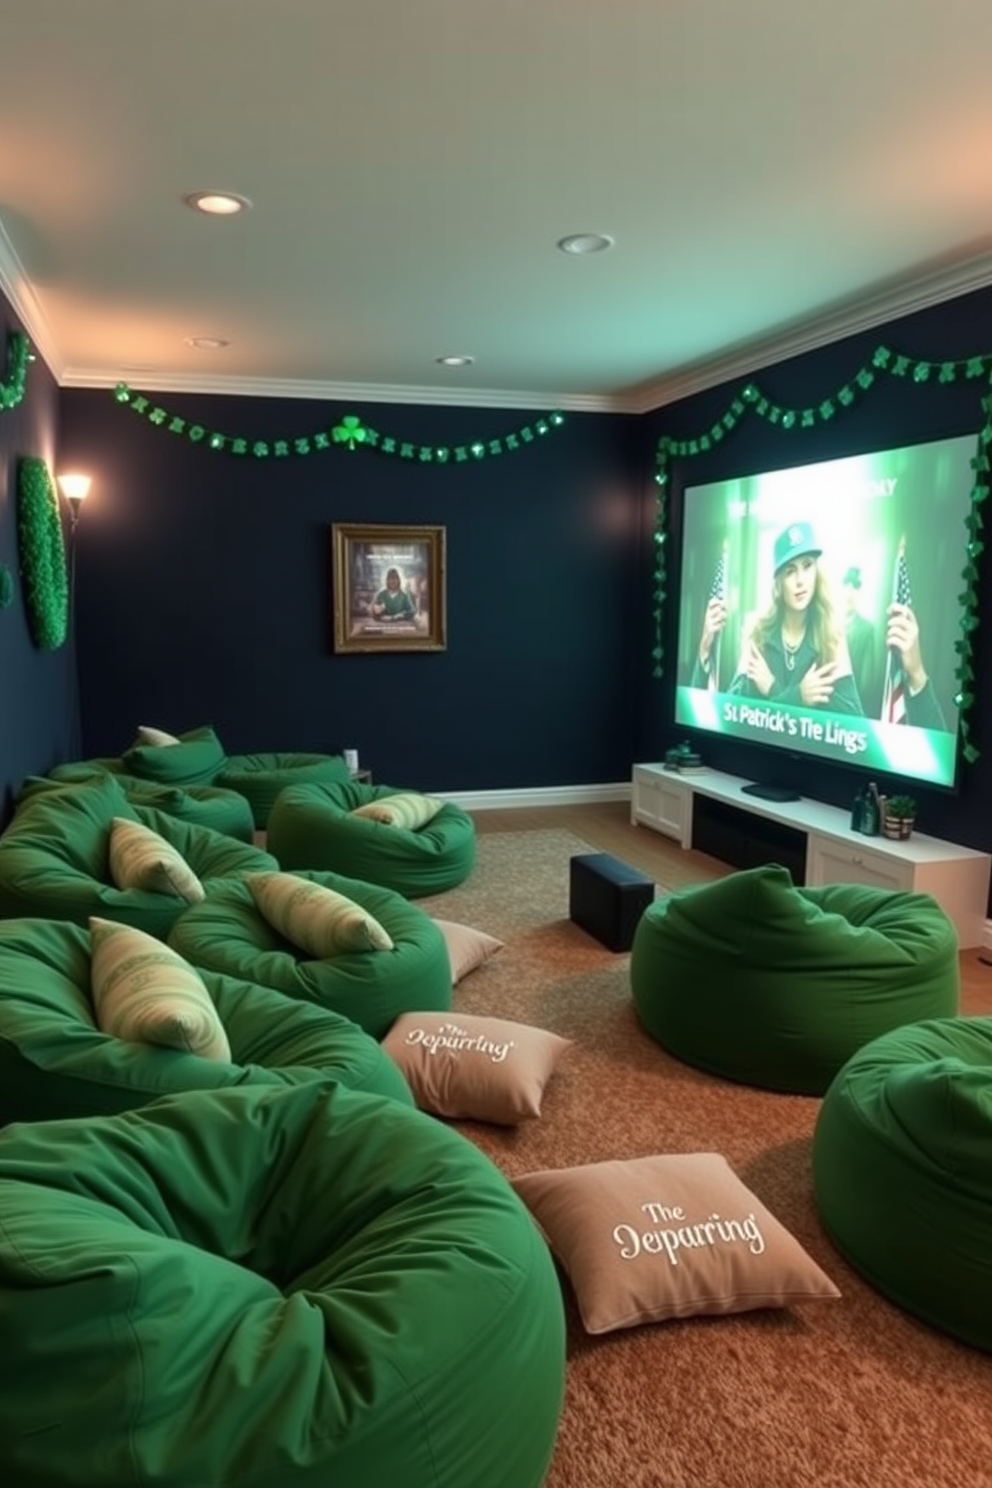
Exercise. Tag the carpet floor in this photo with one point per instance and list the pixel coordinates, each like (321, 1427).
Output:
(852, 1393)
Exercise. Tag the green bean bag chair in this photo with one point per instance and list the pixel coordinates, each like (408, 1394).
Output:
(267, 1288)
(902, 1171)
(312, 826)
(758, 981)
(198, 759)
(203, 805)
(261, 777)
(228, 933)
(54, 857)
(55, 1061)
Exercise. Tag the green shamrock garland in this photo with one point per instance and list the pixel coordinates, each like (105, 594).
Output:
(752, 400)
(19, 354)
(350, 432)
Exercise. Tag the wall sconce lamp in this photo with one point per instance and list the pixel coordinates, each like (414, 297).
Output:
(75, 488)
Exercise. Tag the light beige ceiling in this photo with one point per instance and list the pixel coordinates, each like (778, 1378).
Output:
(774, 173)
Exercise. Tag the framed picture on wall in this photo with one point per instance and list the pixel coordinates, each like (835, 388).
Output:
(388, 586)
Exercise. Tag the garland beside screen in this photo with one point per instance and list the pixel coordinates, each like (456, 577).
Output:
(752, 400)
(42, 548)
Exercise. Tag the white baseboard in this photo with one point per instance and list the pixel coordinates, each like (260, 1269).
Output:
(987, 936)
(552, 795)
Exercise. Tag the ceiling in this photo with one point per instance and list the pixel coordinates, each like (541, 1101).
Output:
(774, 174)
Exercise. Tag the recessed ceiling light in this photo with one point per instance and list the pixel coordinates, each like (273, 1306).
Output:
(581, 243)
(217, 203)
(456, 361)
(207, 343)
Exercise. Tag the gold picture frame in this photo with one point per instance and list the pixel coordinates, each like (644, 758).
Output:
(388, 585)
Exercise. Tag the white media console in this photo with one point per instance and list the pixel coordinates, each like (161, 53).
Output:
(957, 877)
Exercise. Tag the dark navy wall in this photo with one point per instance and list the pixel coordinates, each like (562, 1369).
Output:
(893, 412)
(204, 590)
(36, 708)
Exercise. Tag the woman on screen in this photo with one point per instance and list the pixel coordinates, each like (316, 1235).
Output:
(796, 652)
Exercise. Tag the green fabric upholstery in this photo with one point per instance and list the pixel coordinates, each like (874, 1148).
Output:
(261, 777)
(54, 857)
(197, 759)
(203, 805)
(55, 1062)
(311, 826)
(228, 933)
(271, 1289)
(755, 980)
(902, 1171)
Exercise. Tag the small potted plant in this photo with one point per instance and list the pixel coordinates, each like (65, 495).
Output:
(900, 815)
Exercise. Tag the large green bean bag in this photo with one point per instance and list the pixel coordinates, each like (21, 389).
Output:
(312, 826)
(758, 981)
(902, 1170)
(271, 1289)
(261, 777)
(228, 933)
(198, 759)
(203, 805)
(55, 1061)
(54, 857)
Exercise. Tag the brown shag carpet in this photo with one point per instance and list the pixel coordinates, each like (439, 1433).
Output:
(847, 1394)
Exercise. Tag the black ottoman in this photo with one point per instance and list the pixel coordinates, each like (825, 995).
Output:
(607, 898)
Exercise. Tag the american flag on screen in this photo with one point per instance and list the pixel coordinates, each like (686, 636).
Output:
(894, 696)
(718, 590)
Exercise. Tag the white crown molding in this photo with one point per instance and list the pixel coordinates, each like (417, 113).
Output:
(18, 289)
(554, 795)
(342, 392)
(891, 302)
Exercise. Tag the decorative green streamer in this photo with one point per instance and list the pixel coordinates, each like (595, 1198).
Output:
(42, 549)
(19, 354)
(350, 432)
(6, 586)
(752, 400)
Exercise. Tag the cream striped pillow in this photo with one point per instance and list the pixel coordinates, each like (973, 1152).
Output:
(145, 993)
(155, 736)
(141, 859)
(406, 809)
(318, 920)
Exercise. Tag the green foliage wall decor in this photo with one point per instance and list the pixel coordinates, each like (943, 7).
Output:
(42, 552)
(19, 354)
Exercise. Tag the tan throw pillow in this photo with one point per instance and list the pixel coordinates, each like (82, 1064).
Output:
(665, 1237)
(145, 993)
(405, 809)
(155, 737)
(318, 920)
(467, 948)
(141, 859)
(486, 1069)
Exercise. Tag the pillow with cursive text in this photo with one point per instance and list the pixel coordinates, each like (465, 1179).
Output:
(484, 1069)
(654, 1238)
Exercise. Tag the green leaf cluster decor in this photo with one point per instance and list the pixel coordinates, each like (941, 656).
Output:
(42, 551)
(750, 400)
(350, 434)
(19, 354)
